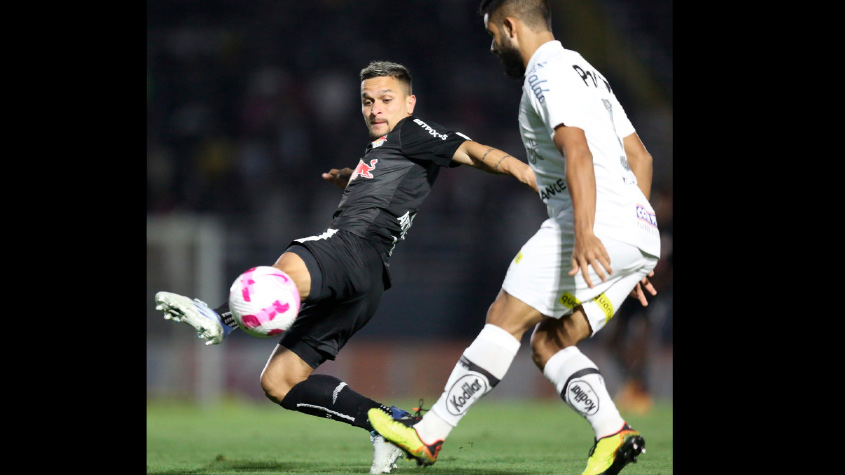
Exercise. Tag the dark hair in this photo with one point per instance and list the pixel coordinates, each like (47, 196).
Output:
(385, 68)
(536, 14)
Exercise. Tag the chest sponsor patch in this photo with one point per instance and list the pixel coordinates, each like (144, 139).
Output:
(363, 170)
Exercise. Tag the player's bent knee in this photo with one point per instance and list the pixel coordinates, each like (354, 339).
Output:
(275, 387)
(513, 315)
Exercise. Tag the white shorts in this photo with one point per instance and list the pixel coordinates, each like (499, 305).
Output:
(538, 276)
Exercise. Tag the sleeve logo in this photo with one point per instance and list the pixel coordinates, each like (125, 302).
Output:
(431, 131)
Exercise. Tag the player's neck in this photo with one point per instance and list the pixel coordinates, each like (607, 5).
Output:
(532, 43)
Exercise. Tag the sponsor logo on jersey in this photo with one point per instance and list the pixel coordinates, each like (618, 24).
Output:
(569, 300)
(466, 389)
(431, 131)
(533, 151)
(623, 160)
(645, 215)
(363, 170)
(581, 397)
(536, 86)
(379, 142)
(557, 187)
(405, 222)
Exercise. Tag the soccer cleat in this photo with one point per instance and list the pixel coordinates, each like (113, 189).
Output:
(402, 434)
(610, 454)
(195, 313)
(386, 454)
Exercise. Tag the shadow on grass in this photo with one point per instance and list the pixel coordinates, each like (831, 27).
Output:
(287, 467)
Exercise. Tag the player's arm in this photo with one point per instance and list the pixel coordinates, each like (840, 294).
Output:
(339, 177)
(493, 160)
(581, 181)
(640, 162)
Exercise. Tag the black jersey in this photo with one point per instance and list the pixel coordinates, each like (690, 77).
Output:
(392, 180)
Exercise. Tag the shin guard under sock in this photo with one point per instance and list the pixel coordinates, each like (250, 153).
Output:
(581, 386)
(481, 367)
(322, 395)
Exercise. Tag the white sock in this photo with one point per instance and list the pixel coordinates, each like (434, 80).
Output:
(581, 386)
(483, 364)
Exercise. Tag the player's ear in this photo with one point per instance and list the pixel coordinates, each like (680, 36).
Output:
(509, 24)
(412, 101)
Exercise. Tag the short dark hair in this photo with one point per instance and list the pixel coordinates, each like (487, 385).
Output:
(536, 14)
(384, 69)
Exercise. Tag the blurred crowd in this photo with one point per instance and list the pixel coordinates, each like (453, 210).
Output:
(248, 102)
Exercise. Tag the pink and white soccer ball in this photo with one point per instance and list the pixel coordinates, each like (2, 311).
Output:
(264, 301)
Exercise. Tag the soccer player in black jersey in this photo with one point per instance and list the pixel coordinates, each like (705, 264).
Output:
(342, 273)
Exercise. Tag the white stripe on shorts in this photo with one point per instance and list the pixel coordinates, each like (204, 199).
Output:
(329, 233)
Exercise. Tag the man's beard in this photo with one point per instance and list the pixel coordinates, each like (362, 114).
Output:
(511, 61)
(373, 135)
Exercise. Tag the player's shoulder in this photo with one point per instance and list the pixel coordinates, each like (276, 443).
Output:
(417, 125)
(549, 56)
(421, 122)
(559, 69)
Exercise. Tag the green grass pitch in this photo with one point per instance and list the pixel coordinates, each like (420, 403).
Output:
(495, 438)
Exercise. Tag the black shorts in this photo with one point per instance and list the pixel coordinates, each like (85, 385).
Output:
(347, 283)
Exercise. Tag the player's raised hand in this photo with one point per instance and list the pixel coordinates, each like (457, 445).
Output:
(339, 177)
(589, 251)
(638, 293)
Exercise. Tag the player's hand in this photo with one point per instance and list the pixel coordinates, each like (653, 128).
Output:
(339, 177)
(638, 293)
(589, 251)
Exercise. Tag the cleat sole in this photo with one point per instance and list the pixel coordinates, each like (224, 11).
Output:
(627, 453)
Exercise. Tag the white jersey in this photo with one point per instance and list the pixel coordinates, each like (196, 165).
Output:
(561, 87)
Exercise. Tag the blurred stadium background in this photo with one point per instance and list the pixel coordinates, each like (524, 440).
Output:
(248, 102)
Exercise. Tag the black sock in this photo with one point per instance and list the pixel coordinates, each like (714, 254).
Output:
(326, 396)
(226, 315)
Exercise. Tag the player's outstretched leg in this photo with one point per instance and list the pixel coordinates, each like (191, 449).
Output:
(386, 454)
(402, 434)
(196, 313)
(611, 453)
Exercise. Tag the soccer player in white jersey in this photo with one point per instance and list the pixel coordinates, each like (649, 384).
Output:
(598, 246)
